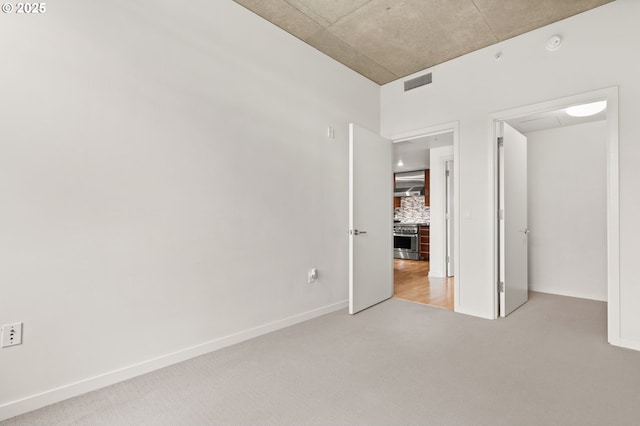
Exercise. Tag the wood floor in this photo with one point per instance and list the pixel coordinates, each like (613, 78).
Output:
(411, 282)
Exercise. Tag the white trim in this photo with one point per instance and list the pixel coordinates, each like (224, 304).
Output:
(629, 344)
(351, 307)
(494, 169)
(428, 131)
(449, 262)
(443, 228)
(457, 166)
(30, 403)
(609, 94)
(613, 223)
(567, 294)
(454, 127)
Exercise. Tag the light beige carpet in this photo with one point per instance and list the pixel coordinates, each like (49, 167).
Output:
(396, 363)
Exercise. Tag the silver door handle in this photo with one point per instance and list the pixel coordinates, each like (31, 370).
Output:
(356, 232)
(525, 231)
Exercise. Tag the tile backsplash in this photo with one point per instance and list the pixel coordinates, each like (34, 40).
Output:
(412, 210)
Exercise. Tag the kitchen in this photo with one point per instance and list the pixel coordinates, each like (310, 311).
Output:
(422, 204)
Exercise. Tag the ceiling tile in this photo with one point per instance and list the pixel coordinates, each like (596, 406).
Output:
(331, 10)
(345, 54)
(514, 17)
(410, 35)
(285, 16)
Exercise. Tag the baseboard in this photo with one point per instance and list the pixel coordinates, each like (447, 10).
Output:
(564, 293)
(21, 406)
(627, 344)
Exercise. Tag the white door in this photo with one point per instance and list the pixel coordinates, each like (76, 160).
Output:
(448, 217)
(370, 219)
(513, 232)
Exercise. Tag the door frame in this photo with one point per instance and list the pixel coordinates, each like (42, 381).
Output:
(609, 94)
(449, 234)
(450, 127)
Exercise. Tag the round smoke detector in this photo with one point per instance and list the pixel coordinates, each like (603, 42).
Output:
(553, 43)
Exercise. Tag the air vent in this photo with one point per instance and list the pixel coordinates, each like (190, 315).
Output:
(423, 80)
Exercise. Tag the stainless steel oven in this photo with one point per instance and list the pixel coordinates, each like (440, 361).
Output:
(406, 242)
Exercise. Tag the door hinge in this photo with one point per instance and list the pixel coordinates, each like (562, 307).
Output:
(500, 142)
(447, 173)
(501, 214)
(501, 286)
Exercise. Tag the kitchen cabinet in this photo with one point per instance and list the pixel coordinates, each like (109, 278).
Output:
(424, 242)
(427, 189)
(396, 200)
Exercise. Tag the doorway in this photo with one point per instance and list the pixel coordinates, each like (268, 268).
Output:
(540, 120)
(425, 215)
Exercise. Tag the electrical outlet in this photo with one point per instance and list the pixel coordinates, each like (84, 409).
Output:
(11, 334)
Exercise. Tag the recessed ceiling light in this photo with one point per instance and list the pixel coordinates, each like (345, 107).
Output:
(400, 163)
(586, 110)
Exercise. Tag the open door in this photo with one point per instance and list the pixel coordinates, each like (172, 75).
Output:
(370, 219)
(448, 217)
(513, 231)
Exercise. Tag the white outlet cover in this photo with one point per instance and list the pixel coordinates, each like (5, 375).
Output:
(11, 334)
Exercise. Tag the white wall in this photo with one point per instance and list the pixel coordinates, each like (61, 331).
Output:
(567, 191)
(437, 232)
(165, 181)
(469, 88)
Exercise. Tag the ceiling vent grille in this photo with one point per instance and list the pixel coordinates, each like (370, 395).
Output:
(423, 80)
